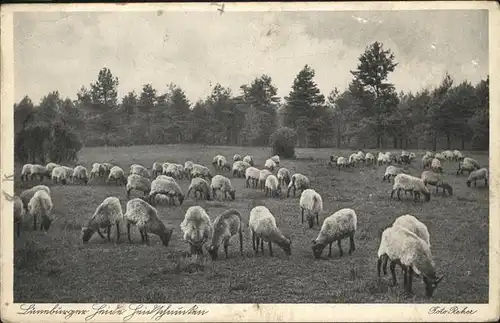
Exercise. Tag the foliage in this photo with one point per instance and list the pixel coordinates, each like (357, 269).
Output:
(283, 142)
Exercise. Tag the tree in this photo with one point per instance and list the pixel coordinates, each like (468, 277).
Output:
(283, 142)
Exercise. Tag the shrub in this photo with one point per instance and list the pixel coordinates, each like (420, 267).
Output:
(283, 142)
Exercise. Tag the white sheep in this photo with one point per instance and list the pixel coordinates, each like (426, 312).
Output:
(369, 158)
(412, 253)
(40, 171)
(107, 214)
(60, 175)
(188, 167)
(196, 228)
(165, 177)
(156, 169)
(98, 170)
(172, 170)
(145, 217)
(338, 226)
(26, 195)
(252, 175)
(117, 175)
(426, 161)
(412, 184)
(139, 170)
(199, 185)
(223, 165)
(361, 156)
(19, 213)
(276, 159)
(448, 155)
(439, 156)
(297, 182)
(272, 186)
(223, 184)
(239, 168)
(283, 176)
(477, 175)
(50, 166)
(248, 159)
(215, 160)
(429, 154)
(180, 169)
(270, 164)
(457, 155)
(107, 167)
(436, 165)
(236, 157)
(467, 164)
(225, 226)
(200, 171)
(26, 172)
(80, 173)
(138, 183)
(434, 179)
(341, 162)
(412, 224)
(392, 171)
(262, 224)
(383, 158)
(263, 174)
(40, 205)
(353, 159)
(311, 201)
(166, 187)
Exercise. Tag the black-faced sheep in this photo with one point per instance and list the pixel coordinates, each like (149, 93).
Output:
(412, 184)
(222, 184)
(272, 186)
(40, 205)
(107, 214)
(297, 182)
(311, 201)
(201, 186)
(338, 226)
(225, 226)
(477, 175)
(262, 224)
(434, 179)
(196, 228)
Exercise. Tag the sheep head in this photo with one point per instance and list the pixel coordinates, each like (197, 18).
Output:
(213, 251)
(233, 194)
(317, 249)
(165, 237)
(431, 284)
(87, 234)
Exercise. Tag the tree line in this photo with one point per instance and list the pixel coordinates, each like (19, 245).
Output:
(368, 114)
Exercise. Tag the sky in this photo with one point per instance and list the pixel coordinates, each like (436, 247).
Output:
(195, 50)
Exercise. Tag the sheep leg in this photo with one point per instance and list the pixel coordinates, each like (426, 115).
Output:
(253, 241)
(475, 185)
(317, 218)
(146, 237)
(270, 248)
(392, 267)
(34, 221)
(109, 232)
(100, 234)
(352, 247)
(392, 193)
(128, 232)
(410, 279)
(339, 243)
(241, 241)
(485, 181)
(117, 232)
(330, 251)
(226, 244)
(302, 215)
(399, 191)
(225, 195)
(128, 194)
(262, 245)
(386, 259)
(379, 264)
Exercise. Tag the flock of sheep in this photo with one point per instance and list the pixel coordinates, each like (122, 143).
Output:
(405, 243)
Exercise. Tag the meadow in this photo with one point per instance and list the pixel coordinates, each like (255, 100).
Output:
(57, 267)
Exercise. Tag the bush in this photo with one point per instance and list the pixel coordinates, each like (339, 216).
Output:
(283, 142)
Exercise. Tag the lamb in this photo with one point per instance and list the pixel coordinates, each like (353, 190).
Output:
(196, 228)
(225, 226)
(139, 170)
(297, 182)
(156, 169)
(28, 194)
(199, 185)
(145, 217)
(26, 172)
(468, 164)
(59, 175)
(369, 158)
(224, 185)
(252, 175)
(107, 214)
(80, 173)
(392, 171)
(172, 171)
(236, 157)
(341, 162)
(117, 175)
(412, 184)
(412, 157)
(434, 179)
(283, 176)
(201, 171)
(311, 201)
(448, 155)
(40, 205)
(457, 155)
(270, 164)
(19, 213)
(272, 186)
(412, 253)
(436, 165)
(138, 183)
(477, 175)
(166, 187)
(97, 170)
(239, 168)
(338, 226)
(276, 159)
(263, 174)
(262, 224)
(248, 159)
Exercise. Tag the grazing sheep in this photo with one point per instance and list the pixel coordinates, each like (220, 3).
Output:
(272, 186)
(477, 175)
(50, 166)
(225, 226)
(139, 170)
(165, 177)
(412, 253)
(239, 168)
(138, 183)
(172, 170)
(297, 182)
(262, 224)
(188, 167)
(98, 170)
(199, 185)
(196, 228)
(145, 217)
(383, 158)
(270, 164)
(333, 161)
(434, 179)
(457, 155)
(468, 164)
(263, 174)
(80, 173)
(40, 205)
(426, 161)
(428, 154)
(283, 176)
(26, 195)
(436, 165)
(252, 175)
(224, 185)
(40, 171)
(412, 157)
(392, 171)
(412, 184)
(412, 224)
(342, 162)
(311, 201)
(439, 156)
(117, 175)
(338, 226)
(107, 214)
(107, 167)
(223, 165)
(236, 157)
(19, 213)
(448, 155)
(166, 187)
(26, 172)
(201, 171)
(360, 156)
(353, 159)
(369, 158)
(180, 169)
(276, 159)
(248, 159)
(156, 169)
(59, 175)
(215, 160)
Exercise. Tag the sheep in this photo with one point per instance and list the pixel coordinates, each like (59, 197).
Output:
(457, 155)
(270, 164)
(272, 186)
(448, 155)
(139, 170)
(166, 187)
(436, 165)
(434, 179)
(172, 171)
(41, 205)
(40, 171)
(412, 157)
(439, 156)
(248, 159)
(224, 185)
(276, 159)
(392, 171)
(360, 156)
(107, 214)
(50, 166)
(297, 182)
(226, 225)
(338, 226)
(26, 195)
(428, 154)
(138, 183)
(412, 253)
(59, 175)
(117, 175)
(412, 224)
(222, 164)
(341, 162)
(252, 175)
(477, 175)
(201, 171)
(107, 167)
(145, 217)
(97, 170)
(80, 173)
(188, 167)
(19, 213)
(156, 169)
(196, 228)
(263, 174)
(236, 157)
(26, 172)
(369, 158)
(199, 185)
(215, 160)
(426, 161)
(383, 159)
(311, 201)
(353, 159)
(180, 169)
(467, 164)
(405, 157)
(239, 168)
(283, 176)
(165, 177)
(333, 161)
(412, 184)
(262, 224)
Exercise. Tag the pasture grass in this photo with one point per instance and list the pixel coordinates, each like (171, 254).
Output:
(57, 267)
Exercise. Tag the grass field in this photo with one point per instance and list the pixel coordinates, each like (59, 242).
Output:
(57, 267)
